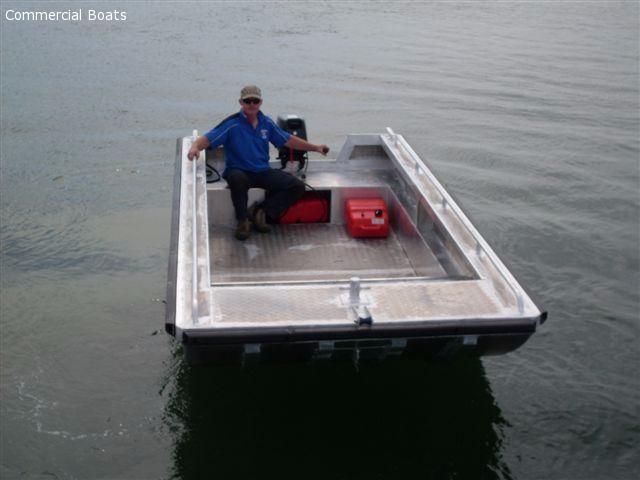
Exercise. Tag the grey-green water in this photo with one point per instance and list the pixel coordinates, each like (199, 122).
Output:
(528, 111)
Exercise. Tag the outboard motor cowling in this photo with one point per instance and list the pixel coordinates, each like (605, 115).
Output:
(294, 125)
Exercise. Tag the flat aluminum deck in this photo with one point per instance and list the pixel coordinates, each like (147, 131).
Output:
(309, 252)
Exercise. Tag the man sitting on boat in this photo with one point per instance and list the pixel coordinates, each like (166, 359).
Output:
(245, 136)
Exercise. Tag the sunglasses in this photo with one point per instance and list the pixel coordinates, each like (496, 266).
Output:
(250, 101)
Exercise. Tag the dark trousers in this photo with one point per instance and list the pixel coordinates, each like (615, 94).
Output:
(282, 190)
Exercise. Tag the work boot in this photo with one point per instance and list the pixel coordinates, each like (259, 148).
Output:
(243, 230)
(259, 219)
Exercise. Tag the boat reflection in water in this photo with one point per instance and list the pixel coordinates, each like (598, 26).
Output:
(402, 418)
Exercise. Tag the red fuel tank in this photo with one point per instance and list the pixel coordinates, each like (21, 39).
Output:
(367, 217)
(311, 208)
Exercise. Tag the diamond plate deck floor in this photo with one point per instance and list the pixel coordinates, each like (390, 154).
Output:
(304, 252)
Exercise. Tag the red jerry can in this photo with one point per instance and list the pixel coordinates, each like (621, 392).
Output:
(311, 208)
(367, 217)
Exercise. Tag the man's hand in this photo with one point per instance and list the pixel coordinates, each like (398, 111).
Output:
(200, 144)
(323, 149)
(297, 143)
(193, 153)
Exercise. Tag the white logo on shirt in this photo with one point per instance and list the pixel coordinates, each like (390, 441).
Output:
(264, 133)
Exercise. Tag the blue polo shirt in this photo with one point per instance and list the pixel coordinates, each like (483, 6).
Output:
(245, 147)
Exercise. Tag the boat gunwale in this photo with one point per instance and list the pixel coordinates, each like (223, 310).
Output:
(172, 273)
(507, 265)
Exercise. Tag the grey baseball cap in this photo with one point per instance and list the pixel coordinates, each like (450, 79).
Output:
(250, 91)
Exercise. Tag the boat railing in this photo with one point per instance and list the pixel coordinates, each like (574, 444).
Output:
(194, 229)
(401, 147)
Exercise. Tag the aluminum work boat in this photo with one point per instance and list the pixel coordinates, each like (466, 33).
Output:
(432, 287)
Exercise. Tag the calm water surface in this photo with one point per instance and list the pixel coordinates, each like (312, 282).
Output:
(528, 112)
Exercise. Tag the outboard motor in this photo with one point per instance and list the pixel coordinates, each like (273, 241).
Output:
(294, 125)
